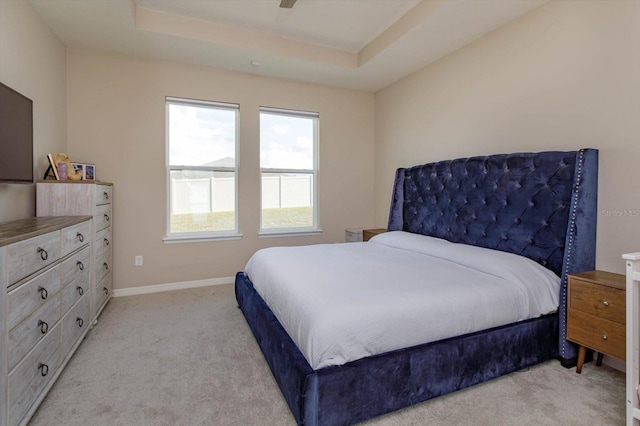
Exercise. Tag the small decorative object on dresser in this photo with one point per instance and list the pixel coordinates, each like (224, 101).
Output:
(52, 170)
(86, 171)
(85, 198)
(367, 234)
(596, 314)
(632, 261)
(45, 266)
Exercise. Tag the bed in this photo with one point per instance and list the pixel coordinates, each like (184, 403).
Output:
(542, 206)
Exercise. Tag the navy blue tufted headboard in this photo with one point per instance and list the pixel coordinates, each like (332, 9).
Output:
(539, 205)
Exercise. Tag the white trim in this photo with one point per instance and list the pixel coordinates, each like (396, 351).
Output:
(293, 232)
(289, 112)
(202, 103)
(195, 238)
(132, 291)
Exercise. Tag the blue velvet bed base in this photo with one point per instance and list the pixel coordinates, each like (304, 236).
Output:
(372, 386)
(539, 205)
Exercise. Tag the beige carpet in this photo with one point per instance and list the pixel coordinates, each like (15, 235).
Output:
(189, 358)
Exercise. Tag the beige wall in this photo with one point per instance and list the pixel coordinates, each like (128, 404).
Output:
(564, 77)
(116, 119)
(33, 62)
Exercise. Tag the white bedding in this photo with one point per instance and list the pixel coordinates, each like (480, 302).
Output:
(342, 302)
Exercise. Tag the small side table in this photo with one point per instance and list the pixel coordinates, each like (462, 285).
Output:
(596, 314)
(367, 234)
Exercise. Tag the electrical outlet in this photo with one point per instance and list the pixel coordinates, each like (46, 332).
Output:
(138, 260)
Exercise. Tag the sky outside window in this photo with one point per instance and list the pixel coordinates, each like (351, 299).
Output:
(286, 142)
(200, 135)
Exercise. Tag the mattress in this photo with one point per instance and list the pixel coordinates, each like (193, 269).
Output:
(343, 302)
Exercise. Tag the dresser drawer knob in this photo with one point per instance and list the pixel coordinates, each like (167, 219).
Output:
(80, 322)
(106, 241)
(106, 266)
(605, 303)
(80, 237)
(43, 253)
(44, 369)
(106, 290)
(106, 217)
(604, 337)
(43, 292)
(106, 195)
(80, 265)
(44, 327)
(80, 290)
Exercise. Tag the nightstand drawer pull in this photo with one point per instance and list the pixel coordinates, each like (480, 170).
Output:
(44, 327)
(604, 337)
(605, 303)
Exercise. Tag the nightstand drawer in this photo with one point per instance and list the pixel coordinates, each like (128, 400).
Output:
(604, 302)
(596, 333)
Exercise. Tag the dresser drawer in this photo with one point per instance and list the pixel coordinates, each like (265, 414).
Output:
(597, 333)
(102, 219)
(75, 237)
(73, 291)
(103, 194)
(76, 266)
(24, 300)
(101, 293)
(102, 266)
(33, 373)
(74, 323)
(604, 302)
(30, 331)
(28, 256)
(102, 242)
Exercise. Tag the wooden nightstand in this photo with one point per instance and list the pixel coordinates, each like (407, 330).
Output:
(367, 234)
(596, 315)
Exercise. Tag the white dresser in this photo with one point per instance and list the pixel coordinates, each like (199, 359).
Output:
(64, 198)
(632, 262)
(45, 273)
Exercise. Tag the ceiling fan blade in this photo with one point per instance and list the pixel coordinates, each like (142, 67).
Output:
(287, 4)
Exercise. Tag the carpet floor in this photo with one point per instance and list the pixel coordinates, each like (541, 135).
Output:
(188, 358)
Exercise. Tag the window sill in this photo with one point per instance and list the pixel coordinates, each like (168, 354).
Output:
(194, 238)
(289, 233)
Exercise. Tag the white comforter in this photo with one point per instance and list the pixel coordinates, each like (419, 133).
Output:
(342, 302)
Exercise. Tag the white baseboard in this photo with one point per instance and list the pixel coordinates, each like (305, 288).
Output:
(132, 291)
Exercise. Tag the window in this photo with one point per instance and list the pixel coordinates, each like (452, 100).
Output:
(289, 171)
(202, 141)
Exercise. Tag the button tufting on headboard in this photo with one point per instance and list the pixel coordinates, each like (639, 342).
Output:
(516, 203)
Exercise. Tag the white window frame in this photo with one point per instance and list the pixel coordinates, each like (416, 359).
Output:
(181, 237)
(314, 229)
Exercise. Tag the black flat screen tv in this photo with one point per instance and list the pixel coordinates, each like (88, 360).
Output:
(16, 136)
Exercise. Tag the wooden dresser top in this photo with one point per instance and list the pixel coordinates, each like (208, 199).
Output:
(22, 229)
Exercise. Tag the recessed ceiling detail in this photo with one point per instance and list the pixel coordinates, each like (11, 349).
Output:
(358, 44)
